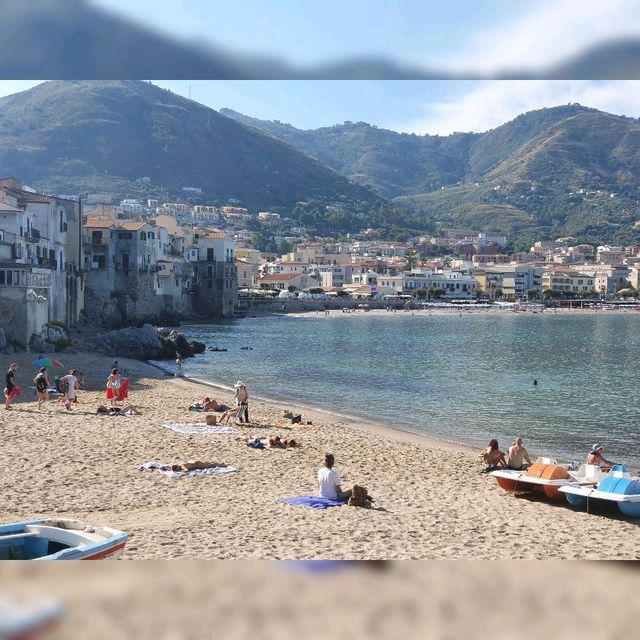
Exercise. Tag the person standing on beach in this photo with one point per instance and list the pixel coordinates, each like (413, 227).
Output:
(11, 389)
(114, 382)
(241, 397)
(42, 384)
(178, 360)
(70, 382)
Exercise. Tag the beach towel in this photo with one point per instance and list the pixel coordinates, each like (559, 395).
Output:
(157, 466)
(202, 428)
(315, 502)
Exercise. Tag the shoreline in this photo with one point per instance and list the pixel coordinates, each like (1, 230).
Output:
(431, 501)
(356, 422)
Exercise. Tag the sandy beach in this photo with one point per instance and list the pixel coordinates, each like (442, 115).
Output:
(184, 600)
(432, 502)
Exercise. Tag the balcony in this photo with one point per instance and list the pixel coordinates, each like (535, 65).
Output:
(32, 236)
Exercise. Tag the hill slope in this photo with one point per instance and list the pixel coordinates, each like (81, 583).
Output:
(540, 172)
(114, 136)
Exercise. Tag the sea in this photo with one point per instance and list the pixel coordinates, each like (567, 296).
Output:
(459, 378)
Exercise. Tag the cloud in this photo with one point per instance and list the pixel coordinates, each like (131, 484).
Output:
(551, 31)
(485, 105)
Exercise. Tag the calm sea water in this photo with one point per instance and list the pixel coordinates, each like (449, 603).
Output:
(462, 379)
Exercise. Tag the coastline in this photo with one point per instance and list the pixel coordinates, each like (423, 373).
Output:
(431, 499)
(357, 422)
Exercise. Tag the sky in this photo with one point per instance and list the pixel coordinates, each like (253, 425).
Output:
(486, 35)
(415, 106)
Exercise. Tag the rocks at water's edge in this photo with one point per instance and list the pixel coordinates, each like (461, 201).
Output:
(147, 343)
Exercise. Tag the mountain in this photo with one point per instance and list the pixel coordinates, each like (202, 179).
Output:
(550, 171)
(119, 137)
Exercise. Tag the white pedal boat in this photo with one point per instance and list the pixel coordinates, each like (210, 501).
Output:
(59, 539)
(618, 487)
(547, 476)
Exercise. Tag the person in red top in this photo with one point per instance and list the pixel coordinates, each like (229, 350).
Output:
(11, 389)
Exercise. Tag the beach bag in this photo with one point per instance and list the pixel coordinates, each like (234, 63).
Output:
(358, 497)
(63, 385)
(211, 420)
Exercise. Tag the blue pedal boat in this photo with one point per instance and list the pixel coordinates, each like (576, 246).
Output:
(618, 487)
(59, 539)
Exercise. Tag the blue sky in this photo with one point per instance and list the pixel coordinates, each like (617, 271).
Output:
(482, 35)
(436, 107)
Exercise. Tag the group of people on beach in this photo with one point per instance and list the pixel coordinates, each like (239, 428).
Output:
(67, 386)
(518, 459)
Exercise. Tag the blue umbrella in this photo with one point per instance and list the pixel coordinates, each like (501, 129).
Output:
(42, 362)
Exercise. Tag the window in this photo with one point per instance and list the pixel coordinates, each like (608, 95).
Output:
(210, 256)
(2, 278)
(61, 220)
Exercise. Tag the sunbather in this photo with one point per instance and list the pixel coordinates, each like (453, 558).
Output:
(493, 457)
(517, 454)
(231, 413)
(276, 442)
(192, 465)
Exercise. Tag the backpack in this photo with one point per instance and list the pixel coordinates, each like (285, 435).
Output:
(359, 497)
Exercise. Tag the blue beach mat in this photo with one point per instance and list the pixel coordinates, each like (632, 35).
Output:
(157, 466)
(315, 502)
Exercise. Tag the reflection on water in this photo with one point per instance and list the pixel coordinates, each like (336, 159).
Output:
(463, 379)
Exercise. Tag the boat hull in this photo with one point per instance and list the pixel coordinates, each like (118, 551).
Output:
(59, 539)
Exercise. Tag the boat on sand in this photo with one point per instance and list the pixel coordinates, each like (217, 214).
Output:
(618, 488)
(59, 539)
(547, 476)
(24, 619)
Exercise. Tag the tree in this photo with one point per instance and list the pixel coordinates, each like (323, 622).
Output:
(420, 294)
(532, 294)
(341, 293)
(292, 288)
(435, 292)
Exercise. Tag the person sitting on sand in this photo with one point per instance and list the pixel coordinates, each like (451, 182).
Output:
(234, 413)
(493, 457)
(516, 455)
(595, 457)
(192, 466)
(329, 481)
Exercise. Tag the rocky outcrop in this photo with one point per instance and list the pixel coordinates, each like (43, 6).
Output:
(147, 343)
(37, 344)
(3, 341)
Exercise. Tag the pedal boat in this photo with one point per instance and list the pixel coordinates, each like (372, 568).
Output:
(547, 476)
(59, 539)
(618, 487)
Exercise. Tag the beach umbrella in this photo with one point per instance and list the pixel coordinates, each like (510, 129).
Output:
(42, 362)
(48, 362)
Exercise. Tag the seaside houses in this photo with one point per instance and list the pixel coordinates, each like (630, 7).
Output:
(145, 270)
(41, 277)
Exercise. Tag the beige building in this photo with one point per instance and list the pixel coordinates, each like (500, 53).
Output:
(568, 282)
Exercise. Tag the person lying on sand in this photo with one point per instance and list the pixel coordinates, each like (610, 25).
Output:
(211, 404)
(275, 442)
(493, 457)
(192, 465)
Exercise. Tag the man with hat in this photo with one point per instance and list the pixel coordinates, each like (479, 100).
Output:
(595, 457)
(241, 397)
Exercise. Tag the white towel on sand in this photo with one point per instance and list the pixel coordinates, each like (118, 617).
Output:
(157, 466)
(192, 427)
